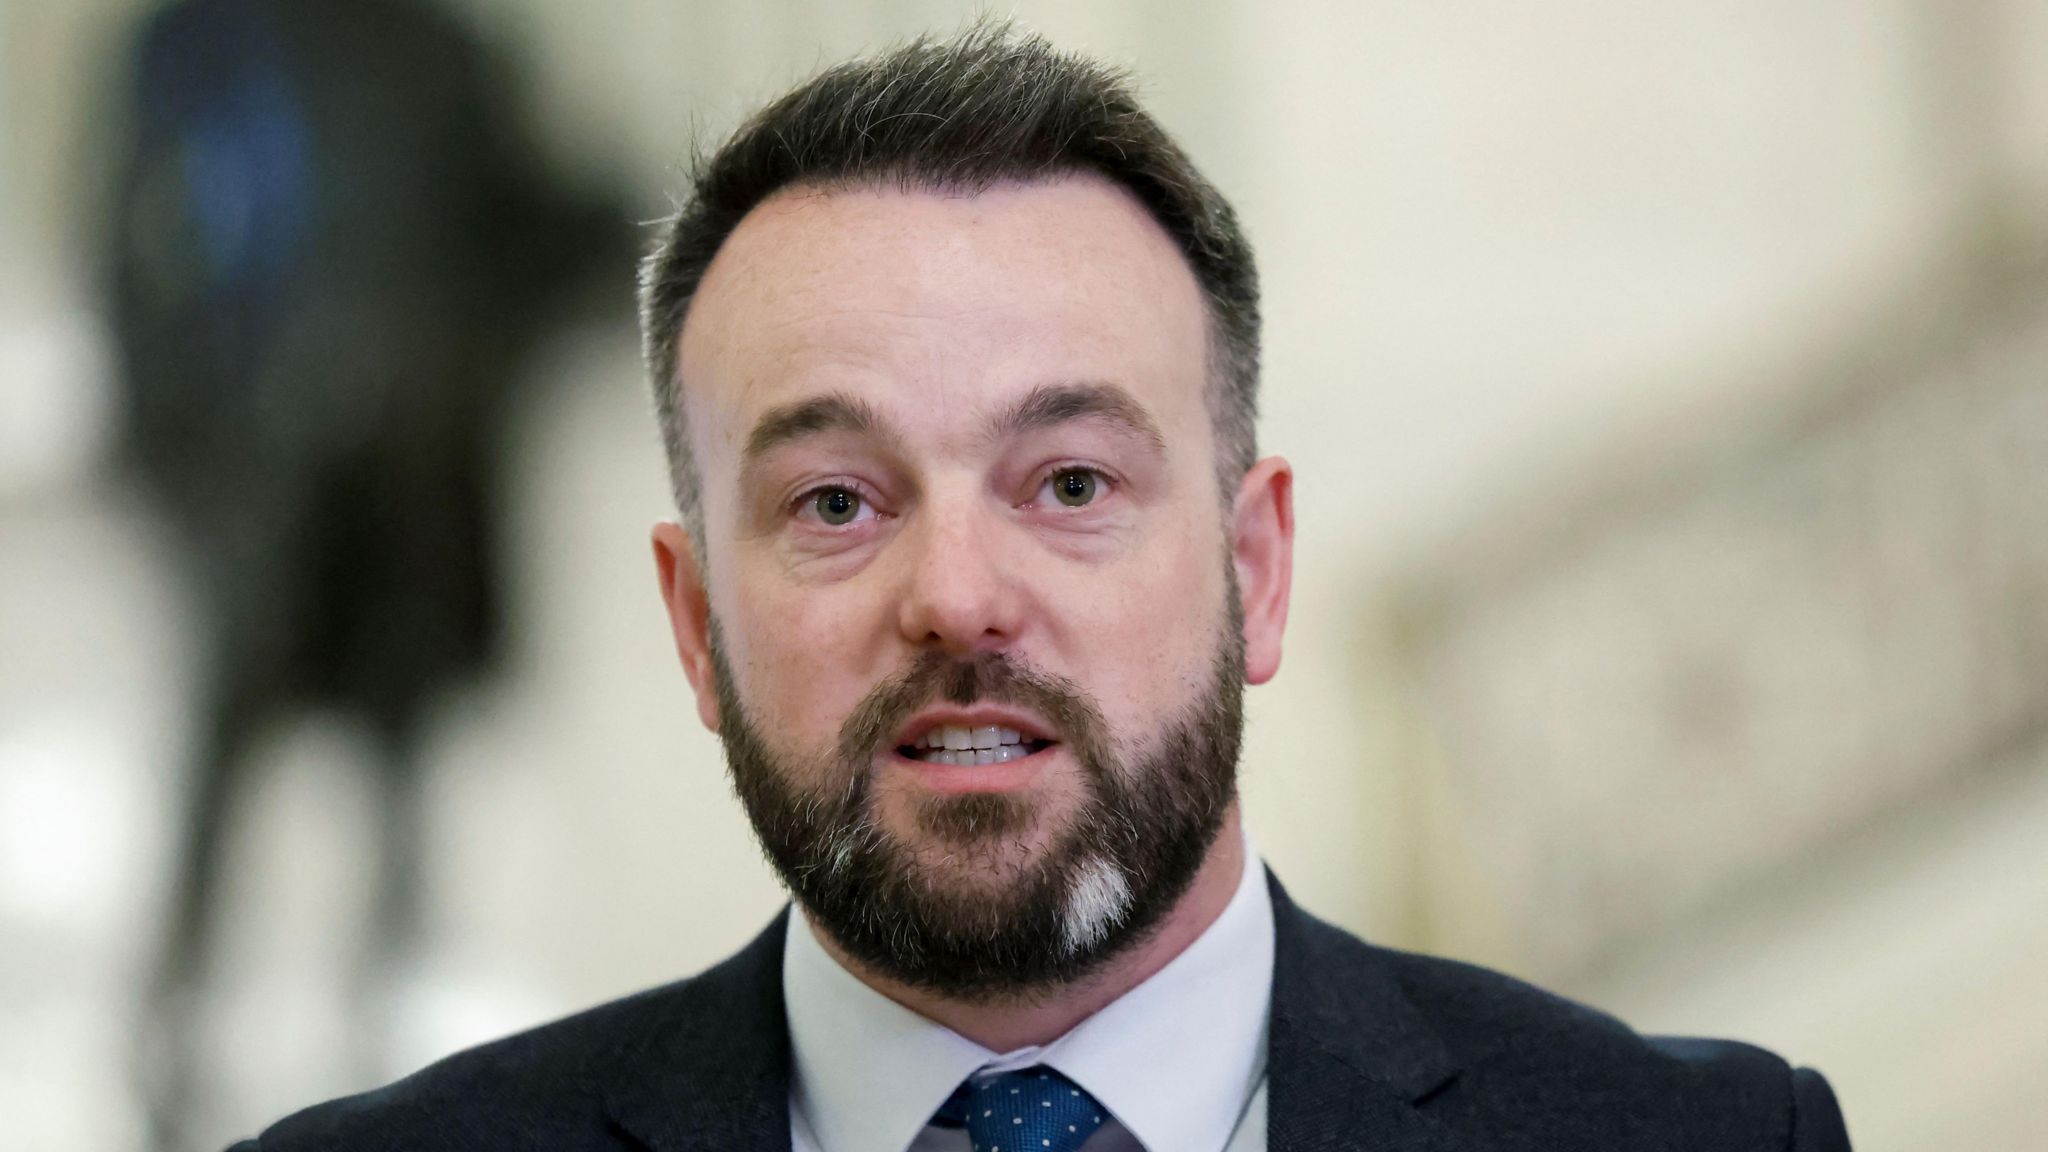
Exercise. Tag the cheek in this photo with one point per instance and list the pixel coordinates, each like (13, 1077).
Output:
(1147, 638)
(804, 660)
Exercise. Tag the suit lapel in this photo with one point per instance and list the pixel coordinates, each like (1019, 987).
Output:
(712, 1071)
(1350, 1062)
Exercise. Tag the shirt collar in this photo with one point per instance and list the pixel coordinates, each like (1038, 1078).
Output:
(868, 1072)
(1174, 1059)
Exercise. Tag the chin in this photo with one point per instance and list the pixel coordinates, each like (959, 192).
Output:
(981, 843)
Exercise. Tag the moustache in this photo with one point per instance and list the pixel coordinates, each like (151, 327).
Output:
(1071, 717)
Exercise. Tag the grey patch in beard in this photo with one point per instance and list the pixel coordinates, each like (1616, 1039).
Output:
(1099, 896)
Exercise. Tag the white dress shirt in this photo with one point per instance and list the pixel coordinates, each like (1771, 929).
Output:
(1179, 1061)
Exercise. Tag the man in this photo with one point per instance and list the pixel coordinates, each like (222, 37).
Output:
(956, 358)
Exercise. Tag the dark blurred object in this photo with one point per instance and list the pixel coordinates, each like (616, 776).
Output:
(332, 249)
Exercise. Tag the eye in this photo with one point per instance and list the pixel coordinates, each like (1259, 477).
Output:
(835, 506)
(1075, 487)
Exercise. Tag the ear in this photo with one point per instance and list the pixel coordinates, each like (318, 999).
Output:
(689, 614)
(1262, 547)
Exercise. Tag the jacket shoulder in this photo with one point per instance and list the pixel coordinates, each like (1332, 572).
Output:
(538, 1084)
(1537, 1062)
(551, 1086)
(1510, 1066)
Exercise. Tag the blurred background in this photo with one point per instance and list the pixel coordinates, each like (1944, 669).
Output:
(1668, 390)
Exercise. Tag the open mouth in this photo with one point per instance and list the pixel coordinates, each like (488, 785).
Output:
(963, 747)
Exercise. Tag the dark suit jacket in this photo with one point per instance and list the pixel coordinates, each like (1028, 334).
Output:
(1369, 1049)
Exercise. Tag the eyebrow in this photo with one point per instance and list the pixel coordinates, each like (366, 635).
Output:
(831, 412)
(1049, 405)
(1045, 406)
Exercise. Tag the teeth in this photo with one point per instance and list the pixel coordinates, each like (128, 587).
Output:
(960, 739)
(967, 757)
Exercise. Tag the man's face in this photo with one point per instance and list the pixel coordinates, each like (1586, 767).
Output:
(958, 480)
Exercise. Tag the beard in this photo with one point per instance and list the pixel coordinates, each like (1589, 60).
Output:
(1101, 885)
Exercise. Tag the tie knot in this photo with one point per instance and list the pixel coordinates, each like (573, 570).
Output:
(1033, 1110)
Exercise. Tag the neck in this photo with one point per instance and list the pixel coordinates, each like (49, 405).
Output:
(1011, 1024)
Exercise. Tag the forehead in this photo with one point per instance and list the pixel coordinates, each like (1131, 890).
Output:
(926, 303)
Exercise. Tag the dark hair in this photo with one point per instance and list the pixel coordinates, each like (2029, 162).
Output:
(962, 114)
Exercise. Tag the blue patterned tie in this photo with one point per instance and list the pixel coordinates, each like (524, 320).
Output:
(1035, 1110)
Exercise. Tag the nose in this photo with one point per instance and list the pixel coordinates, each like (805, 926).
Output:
(958, 593)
